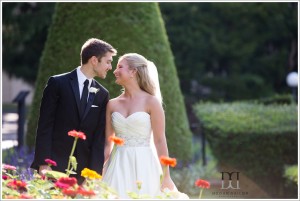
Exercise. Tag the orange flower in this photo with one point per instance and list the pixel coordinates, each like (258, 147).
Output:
(202, 183)
(77, 134)
(164, 160)
(84, 192)
(116, 140)
(11, 197)
(17, 184)
(69, 192)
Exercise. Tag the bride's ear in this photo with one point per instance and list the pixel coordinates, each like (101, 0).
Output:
(133, 72)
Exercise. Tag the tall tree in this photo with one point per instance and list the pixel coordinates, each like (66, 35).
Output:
(238, 50)
(24, 30)
(130, 27)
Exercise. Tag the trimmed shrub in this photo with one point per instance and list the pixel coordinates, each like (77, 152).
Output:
(258, 140)
(291, 173)
(291, 178)
(129, 27)
(277, 99)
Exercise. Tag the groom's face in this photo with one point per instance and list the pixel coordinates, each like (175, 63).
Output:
(104, 65)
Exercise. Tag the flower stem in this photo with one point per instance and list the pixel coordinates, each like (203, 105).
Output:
(164, 173)
(72, 152)
(200, 195)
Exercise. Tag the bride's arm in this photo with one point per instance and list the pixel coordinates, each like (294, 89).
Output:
(158, 127)
(109, 131)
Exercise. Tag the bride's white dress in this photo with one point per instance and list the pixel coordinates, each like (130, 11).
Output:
(136, 160)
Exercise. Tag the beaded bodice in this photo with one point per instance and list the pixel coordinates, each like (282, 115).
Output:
(134, 129)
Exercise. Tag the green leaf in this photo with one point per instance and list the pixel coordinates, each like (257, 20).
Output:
(55, 174)
(73, 162)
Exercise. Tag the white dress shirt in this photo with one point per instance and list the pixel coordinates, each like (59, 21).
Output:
(81, 78)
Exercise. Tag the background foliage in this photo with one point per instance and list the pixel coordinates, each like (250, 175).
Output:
(233, 51)
(258, 140)
(24, 32)
(130, 27)
(226, 51)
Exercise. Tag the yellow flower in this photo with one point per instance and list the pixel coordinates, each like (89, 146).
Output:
(87, 173)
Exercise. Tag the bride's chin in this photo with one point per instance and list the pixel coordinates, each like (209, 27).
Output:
(117, 82)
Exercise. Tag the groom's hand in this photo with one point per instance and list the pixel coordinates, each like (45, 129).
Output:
(43, 169)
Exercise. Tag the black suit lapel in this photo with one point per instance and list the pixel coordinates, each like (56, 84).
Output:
(75, 87)
(90, 99)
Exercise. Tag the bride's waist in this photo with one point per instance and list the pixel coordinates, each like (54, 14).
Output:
(135, 141)
(134, 144)
(134, 147)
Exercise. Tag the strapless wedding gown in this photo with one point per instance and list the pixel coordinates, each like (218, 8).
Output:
(136, 160)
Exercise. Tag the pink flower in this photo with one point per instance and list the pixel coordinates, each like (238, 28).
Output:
(77, 134)
(5, 177)
(25, 196)
(61, 185)
(9, 167)
(68, 180)
(50, 162)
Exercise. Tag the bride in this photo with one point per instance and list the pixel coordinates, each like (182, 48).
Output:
(137, 117)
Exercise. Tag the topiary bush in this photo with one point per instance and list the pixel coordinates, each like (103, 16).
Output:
(277, 99)
(258, 140)
(129, 27)
(291, 178)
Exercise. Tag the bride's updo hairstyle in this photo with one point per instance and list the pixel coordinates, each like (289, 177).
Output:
(140, 63)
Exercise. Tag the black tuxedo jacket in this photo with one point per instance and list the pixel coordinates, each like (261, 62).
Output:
(59, 114)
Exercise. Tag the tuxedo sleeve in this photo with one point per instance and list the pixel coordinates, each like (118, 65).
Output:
(46, 123)
(97, 152)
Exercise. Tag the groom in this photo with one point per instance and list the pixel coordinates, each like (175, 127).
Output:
(75, 101)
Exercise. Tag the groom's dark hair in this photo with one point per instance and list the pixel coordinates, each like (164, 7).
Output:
(95, 47)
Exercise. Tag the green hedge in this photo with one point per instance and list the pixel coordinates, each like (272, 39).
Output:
(129, 27)
(277, 99)
(259, 140)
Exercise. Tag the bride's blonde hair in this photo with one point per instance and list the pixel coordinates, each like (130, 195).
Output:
(140, 63)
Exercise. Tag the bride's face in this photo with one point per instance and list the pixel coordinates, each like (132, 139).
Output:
(122, 72)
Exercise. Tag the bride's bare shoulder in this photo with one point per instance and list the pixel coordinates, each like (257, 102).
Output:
(152, 101)
(114, 102)
(116, 99)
